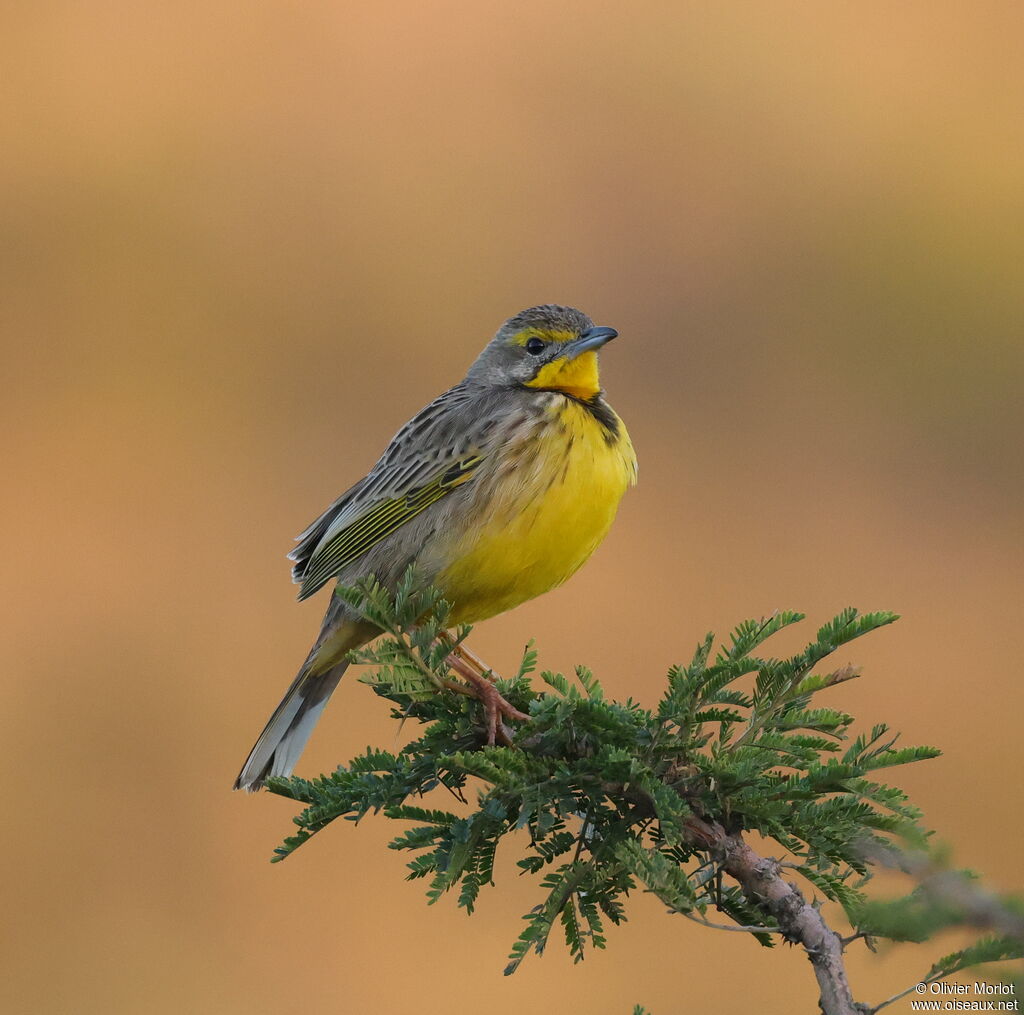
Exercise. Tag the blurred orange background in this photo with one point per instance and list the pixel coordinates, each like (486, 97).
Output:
(242, 243)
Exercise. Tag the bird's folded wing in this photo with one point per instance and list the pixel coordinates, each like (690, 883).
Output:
(350, 533)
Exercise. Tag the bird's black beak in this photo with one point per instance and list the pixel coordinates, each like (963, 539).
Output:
(592, 338)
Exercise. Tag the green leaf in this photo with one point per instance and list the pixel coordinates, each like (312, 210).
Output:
(988, 949)
(559, 684)
(571, 926)
(834, 887)
(752, 633)
(665, 879)
(590, 683)
(470, 890)
(529, 661)
(732, 902)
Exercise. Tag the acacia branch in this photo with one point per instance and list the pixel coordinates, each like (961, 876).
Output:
(799, 921)
(761, 879)
(663, 751)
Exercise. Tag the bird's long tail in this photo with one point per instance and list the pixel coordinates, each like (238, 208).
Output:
(285, 735)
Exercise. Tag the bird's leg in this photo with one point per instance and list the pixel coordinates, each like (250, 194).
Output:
(472, 659)
(471, 668)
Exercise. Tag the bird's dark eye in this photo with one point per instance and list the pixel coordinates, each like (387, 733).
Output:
(535, 346)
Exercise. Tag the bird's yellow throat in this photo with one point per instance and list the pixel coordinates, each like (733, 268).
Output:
(578, 376)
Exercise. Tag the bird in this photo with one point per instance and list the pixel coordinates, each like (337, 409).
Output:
(496, 492)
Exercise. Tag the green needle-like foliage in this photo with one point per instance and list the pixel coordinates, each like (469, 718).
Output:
(595, 797)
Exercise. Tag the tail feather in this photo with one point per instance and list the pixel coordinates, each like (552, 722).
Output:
(282, 741)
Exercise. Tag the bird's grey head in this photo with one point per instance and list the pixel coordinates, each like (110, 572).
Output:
(548, 348)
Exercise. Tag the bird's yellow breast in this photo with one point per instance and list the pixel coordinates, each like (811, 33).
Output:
(549, 501)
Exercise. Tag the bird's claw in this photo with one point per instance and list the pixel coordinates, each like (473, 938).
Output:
(470, 668)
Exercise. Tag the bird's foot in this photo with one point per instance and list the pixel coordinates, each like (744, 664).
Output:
(481, 678)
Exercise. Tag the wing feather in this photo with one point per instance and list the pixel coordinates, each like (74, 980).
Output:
(352, 541)
(428, 458)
